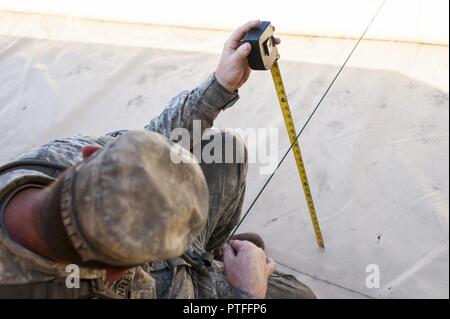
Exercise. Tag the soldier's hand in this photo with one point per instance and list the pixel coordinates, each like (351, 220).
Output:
(247, 267)
(233, 69)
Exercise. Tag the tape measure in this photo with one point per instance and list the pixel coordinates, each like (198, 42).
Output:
(288, 121)
(264, 55)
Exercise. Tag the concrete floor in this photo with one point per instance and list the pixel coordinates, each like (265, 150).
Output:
(376, 151)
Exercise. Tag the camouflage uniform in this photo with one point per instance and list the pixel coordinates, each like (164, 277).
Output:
(28, 275)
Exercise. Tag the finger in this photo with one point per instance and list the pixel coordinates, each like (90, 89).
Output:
(242, 52)
(277, 41)
(236, 245)
(246, 75)
(235, 38)
(228, 253)
(239, 33)
(271, 265)
(239, 245)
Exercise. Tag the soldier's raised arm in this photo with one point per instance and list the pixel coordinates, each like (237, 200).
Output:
(201, 104)
(219, 91)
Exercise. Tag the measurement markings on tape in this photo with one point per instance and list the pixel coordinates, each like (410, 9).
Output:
(288, 121)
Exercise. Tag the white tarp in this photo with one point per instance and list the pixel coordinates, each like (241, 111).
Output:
(376, 151)
(405, 20)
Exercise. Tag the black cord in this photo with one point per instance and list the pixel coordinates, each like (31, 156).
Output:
(309, 118)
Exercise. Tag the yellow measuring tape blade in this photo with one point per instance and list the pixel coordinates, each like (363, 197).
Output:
(288, 121)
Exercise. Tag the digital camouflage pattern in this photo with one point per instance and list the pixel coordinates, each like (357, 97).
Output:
(172, 278)
(137, 199)
(165, 279)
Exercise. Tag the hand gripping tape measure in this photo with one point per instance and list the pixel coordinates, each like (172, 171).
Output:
(264, 56)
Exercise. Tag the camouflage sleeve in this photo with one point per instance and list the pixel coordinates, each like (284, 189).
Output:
(203, 103)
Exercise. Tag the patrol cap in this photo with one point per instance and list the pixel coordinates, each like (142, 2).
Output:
(130, 203)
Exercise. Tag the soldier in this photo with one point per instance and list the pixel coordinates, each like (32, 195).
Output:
(134, 221)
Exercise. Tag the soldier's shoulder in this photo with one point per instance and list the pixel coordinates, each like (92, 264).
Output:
(13, 270)
(64, 151)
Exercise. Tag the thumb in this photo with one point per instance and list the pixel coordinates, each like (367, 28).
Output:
(242, 52)
(228, 253)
